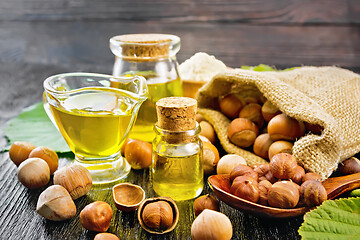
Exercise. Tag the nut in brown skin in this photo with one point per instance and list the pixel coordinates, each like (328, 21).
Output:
(245, 187)
(311, 176)
(243, 170)
(264, 187)
(313, 193)
(350, 166)
(283, 194)
(96, 216)
(283, 166)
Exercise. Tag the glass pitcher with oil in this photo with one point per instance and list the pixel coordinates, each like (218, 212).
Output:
(95, 118)
(152, 56)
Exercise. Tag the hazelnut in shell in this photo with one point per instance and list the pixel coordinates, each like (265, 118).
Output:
(245, 187)
(283, 194)
(242, 132)
(282, 127)
(227, 163)
(19, 151)
(56, 204)
(252, 111)
(75, 178)
(269, 111)
(210, 158)
(230, 105)
(280, 147)
(262, 144)
(122, 150)
(33, 173)
(96, 216)
(106, 236)
(211, 225)
(138, 154)
(205, 202)
(262, 169)
(127, 197)
(207, 131)
(48, 155)
(158, 215)
(283, 166)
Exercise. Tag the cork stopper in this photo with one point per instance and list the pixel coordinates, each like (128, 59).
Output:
(143, 47)
(176, 113)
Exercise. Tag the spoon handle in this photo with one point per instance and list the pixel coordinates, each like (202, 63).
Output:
(338, 185)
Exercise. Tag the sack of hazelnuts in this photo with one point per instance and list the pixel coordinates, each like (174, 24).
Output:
(313, 112)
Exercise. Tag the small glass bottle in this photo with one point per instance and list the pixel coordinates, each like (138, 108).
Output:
(152, 56)
(177, 150)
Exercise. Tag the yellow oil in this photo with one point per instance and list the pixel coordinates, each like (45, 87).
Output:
(94, 123)
(180, 178)
(158, 88)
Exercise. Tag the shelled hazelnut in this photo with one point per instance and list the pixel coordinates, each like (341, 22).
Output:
(245, 187)
(283, 195)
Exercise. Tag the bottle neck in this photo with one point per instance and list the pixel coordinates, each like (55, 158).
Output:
(177, 137)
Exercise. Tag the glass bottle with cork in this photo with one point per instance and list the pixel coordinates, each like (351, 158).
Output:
(177, 170)
(152, 56)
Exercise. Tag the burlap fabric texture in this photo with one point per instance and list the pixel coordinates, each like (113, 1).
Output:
(327, 96)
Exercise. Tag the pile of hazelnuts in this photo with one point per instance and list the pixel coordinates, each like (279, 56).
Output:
(281, 183)
(258, 123)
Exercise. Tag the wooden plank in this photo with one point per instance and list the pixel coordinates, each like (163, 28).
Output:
(260, 12)
(84, 45)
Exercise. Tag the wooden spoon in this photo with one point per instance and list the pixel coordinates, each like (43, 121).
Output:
(220, 184)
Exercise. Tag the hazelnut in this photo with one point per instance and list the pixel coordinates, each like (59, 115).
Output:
(124, 145)
(33, 173)
(264, 187)
(210, 158)
(56, 204)
(227, 163)
(280, 147)
(138, 154)
(282, 127)
(204, 139)
(299, 174)
(230, 105)
(252, 111)
(243, 170)
(262, 144)
(245, 187)
(48, 155)
(96, 216)
(19, 151)
(350, 166)
(270, 177)
(206, 202)
(158, 215)
(262, 169)
(283, 166)
(211, 224)
(199, 118)
(313, 193)
(75, 178)
(311, 176)
(269, 111)
(207, 131)
(283, 194)
(106, 236)
(242, 132)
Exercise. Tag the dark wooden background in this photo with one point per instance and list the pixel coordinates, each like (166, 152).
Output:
(39, 38)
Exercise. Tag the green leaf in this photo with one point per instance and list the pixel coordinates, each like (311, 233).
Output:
(265, 68)
(355, 193)
(34, 126)
(334, 219)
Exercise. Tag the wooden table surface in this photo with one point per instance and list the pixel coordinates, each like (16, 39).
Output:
(41, 38)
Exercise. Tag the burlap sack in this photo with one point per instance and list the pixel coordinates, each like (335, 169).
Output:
(327, 96)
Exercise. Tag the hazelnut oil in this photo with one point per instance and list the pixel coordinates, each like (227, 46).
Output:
(94, 123)
(178, 177)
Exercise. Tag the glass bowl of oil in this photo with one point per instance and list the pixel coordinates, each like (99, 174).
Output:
(95, 118)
